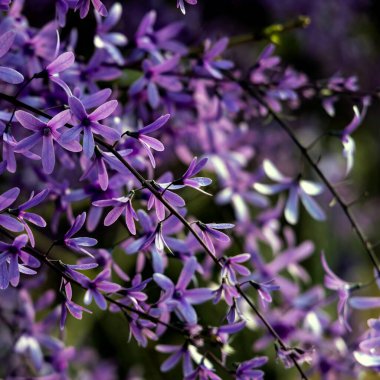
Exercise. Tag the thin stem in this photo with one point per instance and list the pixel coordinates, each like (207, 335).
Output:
(304, 151)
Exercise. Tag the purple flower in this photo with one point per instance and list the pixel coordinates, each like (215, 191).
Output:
(24, 216)
(88, 124)
(202, 372)
(345, 136)
(181, 4)
(177, 353)
(210, 62)
(141, 329)
(152, 41)
(156, 75)
(84, 7)
(78, 244)
(211, 230)
(186, 180)
(178, 297)
(110, 41)
(68, 305)
(9, 261)
(98, 285)
(149, 142)
(232, 265)
(47, 132)
(58, 65)
(120, 205)
(368, 353)
(227, 291)
(333, 282)
(8, 74)
(247, 370)
(174, 199)
(7, 221)
(299, 189)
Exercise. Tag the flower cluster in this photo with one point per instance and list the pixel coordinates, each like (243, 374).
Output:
(108, 168)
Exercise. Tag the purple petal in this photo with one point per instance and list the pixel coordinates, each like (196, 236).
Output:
(61, 63)
(103, 111)
(187, 273)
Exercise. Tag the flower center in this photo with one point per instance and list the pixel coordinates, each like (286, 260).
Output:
(46, 131)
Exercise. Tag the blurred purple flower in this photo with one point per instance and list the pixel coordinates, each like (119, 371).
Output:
(248, 370)
(299, 189)
(9, 261)
(8, 74)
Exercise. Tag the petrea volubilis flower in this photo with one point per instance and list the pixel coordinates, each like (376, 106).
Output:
(7, 221)
(110, 41)
(178, 297)
(88, 124)
(212, 230)
(84, 6)
(149, 142)
(78, 244)
(25, 216)
(119, 205)
(10, 268)
(47, 133)
(299, 189)
(7, 74)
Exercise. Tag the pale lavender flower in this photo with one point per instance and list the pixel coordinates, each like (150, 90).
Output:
(188, 178)
(110, 41)
(231, 266)
(202, 372)
(299, 190)
(58, 65)
(345, 135)
(368, 352)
